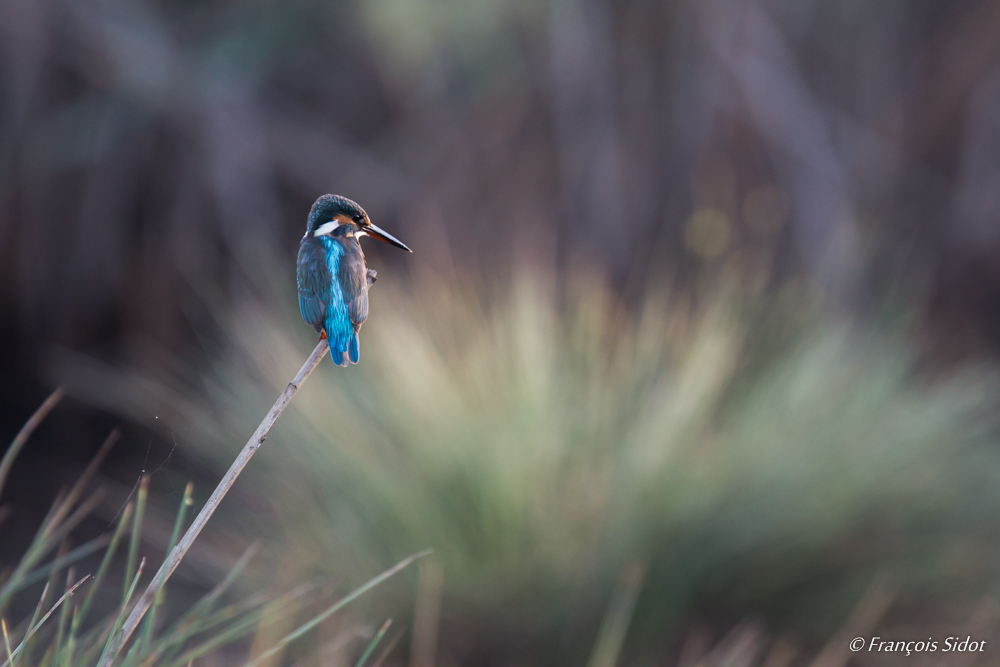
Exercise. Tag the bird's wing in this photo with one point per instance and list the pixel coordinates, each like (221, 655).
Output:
(352, 274)
(314, 281)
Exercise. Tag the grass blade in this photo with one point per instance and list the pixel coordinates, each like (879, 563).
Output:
(65, 595)
(319, 618)
(205, 604)
(6, 641)
(150, 621)
(59, 563)
(22, 437)
(89, 645)
(136, 537)
(617, 618)
(55, 533)
(106, 561)
(290, 603)
(74, 629)
(34, 619)
(169, 646)
(47, 538)
(84, 479)
(373, 643)
(9, 578)
(63, 617)
(186, 502)
(388, 649)
(108, 653)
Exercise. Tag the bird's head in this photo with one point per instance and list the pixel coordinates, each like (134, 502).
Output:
(339, 216)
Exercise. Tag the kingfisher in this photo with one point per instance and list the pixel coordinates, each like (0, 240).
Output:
(332, 276)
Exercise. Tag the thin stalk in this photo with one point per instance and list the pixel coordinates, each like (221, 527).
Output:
(177, 555)
(106, 561)
(187, 626)
(373, 643)
(136, 538)
(31, 624)
(91, 643)
(63, 616)
(132, 653)
(319, 618)
(256, 606)
(52, 580)
(49, 612)
(54, 534)
(388, 649)
(22, 437)
(43, 543)
(243, 626)
(121, 615)
(186, 502)
(62, 561)
(617, 618)
(6, 641)
(74, 628)
(84, 479)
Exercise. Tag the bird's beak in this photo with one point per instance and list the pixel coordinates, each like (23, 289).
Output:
(383, 235)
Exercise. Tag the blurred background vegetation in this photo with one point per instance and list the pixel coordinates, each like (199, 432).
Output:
(695, 354)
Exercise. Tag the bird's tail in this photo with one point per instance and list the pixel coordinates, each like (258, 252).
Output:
(340, 355)
(353, 348)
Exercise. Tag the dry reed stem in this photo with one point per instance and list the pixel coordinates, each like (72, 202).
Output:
(179, 551)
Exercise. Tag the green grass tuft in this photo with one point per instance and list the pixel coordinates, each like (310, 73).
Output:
(72, 642)
(762, 457)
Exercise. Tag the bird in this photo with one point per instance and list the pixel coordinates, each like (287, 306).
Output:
(332, 276)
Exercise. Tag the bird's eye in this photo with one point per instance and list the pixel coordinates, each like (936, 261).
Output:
(359, 218)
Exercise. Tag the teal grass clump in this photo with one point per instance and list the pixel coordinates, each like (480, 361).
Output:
(704, 453)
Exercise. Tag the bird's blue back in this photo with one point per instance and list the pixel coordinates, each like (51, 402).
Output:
(328, 296)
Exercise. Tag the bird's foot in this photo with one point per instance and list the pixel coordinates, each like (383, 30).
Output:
(322, 335)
